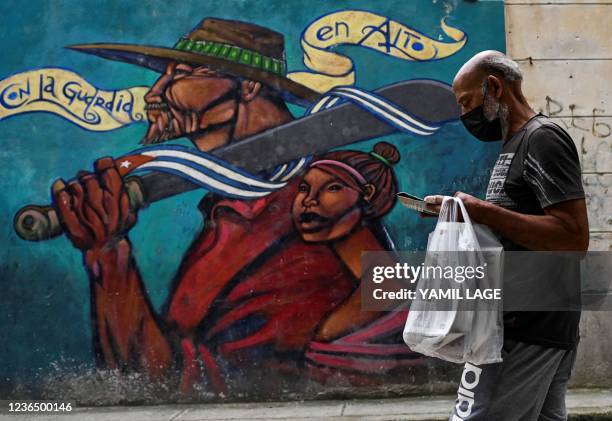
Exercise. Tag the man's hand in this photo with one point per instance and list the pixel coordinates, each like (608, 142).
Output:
(94, 208)
(433, 204)
(473, 205)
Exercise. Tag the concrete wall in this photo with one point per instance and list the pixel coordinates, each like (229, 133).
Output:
(565, 52)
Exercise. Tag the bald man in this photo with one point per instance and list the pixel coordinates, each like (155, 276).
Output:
(534, 201)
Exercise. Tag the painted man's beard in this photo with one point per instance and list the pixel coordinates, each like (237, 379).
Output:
(162, 125)
(170, 123)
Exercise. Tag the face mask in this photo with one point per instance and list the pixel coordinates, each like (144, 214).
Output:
(481, 128)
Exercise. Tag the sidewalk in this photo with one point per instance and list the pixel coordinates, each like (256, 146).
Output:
(581, 403)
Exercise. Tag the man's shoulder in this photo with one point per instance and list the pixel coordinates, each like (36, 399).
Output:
(542, 126)
(544, 134)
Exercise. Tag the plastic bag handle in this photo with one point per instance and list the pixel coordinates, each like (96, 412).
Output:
(446, 202)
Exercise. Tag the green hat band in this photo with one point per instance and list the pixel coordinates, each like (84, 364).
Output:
(233, 53)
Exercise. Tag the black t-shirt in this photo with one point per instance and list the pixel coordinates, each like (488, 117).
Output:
(537, 167)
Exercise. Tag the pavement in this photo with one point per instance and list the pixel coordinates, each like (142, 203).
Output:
(582, 405)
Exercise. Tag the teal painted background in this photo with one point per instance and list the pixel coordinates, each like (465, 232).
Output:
(44, 317)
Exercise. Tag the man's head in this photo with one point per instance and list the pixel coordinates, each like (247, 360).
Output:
(209, 107)
(487, 88)
(343, 188)
(223, 81)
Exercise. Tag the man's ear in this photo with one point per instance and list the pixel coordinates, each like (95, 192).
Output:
(249, 89)
(495, 86)
(369, 192)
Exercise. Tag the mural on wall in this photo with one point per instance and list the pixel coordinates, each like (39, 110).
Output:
(273, 146)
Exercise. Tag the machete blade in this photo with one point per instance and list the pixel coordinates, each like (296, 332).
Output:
(429, 100)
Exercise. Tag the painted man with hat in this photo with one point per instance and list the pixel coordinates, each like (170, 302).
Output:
(221, 83)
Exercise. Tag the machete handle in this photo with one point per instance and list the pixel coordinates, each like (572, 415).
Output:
(39, 223)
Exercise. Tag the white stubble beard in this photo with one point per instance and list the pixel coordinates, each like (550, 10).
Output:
(493, 109)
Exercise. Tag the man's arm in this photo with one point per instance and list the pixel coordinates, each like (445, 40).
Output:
(551, 169)
(94, 210)
(563, 227)
(127, 333)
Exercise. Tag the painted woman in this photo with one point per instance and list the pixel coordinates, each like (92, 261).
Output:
(341, 200)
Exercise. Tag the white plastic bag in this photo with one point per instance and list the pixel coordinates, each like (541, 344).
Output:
(458, 330)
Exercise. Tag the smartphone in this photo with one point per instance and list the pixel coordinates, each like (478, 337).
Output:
(415, 203)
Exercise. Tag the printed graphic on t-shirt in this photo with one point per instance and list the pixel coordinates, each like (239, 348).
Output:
(544, 184)
(495, 191)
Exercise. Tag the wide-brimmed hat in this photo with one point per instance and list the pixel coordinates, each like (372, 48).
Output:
(232, 47)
